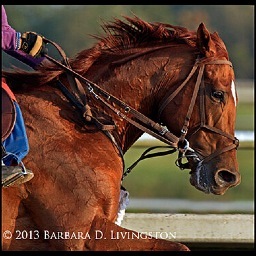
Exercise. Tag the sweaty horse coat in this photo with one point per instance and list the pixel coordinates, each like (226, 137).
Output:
(78, 169)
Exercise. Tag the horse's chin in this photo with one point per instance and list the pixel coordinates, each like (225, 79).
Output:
(203, 180)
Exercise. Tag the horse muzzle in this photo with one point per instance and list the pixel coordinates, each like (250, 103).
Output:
(206, 179)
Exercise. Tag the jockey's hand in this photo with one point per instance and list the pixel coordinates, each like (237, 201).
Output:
(33, 44)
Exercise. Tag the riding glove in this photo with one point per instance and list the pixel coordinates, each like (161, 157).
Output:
(33, 44)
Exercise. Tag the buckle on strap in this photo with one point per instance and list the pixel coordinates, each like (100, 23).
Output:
(236, 142)
(183, 145)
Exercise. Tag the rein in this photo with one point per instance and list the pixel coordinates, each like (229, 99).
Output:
(144, 123)
(78, 98)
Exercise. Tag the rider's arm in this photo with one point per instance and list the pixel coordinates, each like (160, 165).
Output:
(12, 44)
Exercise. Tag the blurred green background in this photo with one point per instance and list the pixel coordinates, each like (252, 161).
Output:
(160, 178)
(71, 25)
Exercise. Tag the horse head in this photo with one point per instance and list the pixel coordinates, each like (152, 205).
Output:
(207, 118)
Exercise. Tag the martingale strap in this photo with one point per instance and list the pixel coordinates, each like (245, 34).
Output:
(77, 95)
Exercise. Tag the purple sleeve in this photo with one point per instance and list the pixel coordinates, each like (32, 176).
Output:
(9, 35)
(10, 41)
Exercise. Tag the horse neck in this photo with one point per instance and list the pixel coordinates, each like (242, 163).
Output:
(134, 95)
(141, 84)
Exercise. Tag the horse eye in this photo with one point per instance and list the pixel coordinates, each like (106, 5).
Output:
(219, 95)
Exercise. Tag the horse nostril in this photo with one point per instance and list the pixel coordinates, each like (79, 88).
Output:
(225, 177)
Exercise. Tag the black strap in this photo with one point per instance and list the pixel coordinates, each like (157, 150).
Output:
(145, 155)
(71, 97)
(3, 151)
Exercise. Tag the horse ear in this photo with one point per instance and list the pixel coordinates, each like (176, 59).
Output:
(204, 42)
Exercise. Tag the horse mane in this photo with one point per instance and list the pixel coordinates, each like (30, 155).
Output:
(136, 32)
(120, 36)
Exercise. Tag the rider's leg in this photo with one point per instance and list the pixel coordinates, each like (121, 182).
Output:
(16, 147)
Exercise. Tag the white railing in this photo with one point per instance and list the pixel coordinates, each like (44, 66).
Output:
(199, 230)
(192, 206)
(229, 231)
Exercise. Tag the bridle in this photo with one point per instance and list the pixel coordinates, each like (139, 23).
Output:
(77, 97)
(198, 89)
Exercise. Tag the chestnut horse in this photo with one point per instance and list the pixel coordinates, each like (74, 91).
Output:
(179, 80)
